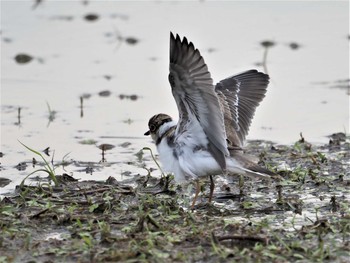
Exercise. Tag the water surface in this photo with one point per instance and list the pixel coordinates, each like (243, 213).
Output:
(125, 51)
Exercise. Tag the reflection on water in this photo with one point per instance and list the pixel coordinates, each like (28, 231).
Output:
(96, 72)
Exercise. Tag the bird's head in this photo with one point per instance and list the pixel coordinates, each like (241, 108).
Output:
(155, 123)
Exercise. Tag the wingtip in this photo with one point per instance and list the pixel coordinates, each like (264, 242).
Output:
(174, 36)
(177, 38)
(176, 43)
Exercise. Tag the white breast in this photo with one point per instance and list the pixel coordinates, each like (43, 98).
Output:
(187, 164)
(187, 157)
(170, 163)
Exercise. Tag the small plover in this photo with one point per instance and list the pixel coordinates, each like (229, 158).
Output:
(213, 119)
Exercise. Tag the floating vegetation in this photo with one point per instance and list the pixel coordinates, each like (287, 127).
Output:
(52, 114)
(88, 142)
(91, 17)
(67, 18)
(21, 166)
(343, 84)
(7, 39)
(105, 147)
(104, 93)
(23, 58)
(107, 77)
(120, 16)
(267, 44)
(133, 97)
(125, 144)
(86, 96)
(81, 106)
(120, 38)
(128, 121)
(294, 45)
(37, 3)
(18, 116)
(4, 181)
(211, 50)
(131, 40)
(130, 97)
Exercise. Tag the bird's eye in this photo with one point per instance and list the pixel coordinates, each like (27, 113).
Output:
(152, 128)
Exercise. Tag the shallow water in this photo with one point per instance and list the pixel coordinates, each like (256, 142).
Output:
(72, 56)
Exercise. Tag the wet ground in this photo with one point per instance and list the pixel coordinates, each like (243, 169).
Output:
(79, 81)
(302, 217)
(78, 75)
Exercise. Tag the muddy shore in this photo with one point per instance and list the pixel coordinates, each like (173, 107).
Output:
(304, 217)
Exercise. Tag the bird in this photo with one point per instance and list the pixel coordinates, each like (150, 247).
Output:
(213, 122)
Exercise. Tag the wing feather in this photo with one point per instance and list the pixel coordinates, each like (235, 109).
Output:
(242, 93)
(196, 99)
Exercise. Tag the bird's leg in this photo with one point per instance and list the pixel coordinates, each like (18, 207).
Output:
(241, 184)
(212, 186)
(198, 188)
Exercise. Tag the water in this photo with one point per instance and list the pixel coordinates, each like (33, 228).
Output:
(309, 90)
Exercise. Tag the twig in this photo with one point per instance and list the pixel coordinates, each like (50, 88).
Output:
(36, 215)
(246, 238)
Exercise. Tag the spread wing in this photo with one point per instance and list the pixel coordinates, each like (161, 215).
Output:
(239, 96)
(196, 99)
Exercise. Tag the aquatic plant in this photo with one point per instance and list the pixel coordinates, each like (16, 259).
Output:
(154, 159)
(267, 44)
(49, 169)
(52, 114)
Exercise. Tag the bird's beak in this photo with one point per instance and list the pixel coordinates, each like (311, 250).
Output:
(147, 133)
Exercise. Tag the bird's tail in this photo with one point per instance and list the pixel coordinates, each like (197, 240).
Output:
(251, 169)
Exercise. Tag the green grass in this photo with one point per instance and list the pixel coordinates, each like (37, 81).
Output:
(48, 168)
